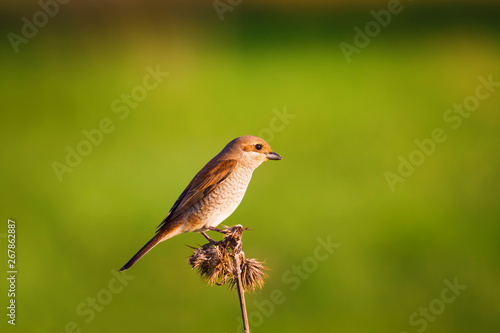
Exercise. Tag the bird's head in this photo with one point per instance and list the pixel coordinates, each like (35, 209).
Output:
(252, 150)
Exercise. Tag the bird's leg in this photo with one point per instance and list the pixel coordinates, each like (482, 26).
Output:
(216, 229)
(207, 237)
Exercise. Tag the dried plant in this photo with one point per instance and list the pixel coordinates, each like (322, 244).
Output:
(224, 262)
(252, 274)
(213, 264)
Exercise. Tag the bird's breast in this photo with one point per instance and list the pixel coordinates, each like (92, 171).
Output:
(225, 198)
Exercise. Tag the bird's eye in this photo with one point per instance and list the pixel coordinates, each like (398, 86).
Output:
(258, 146)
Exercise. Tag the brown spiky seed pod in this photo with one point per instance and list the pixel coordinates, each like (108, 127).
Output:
(213, 264)
(216, 262)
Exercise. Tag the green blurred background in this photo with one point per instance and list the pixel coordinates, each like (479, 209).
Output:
(352, 120)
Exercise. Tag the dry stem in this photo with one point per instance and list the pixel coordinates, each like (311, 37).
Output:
(224, 262)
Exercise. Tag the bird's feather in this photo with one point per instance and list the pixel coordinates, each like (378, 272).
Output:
(207, 180)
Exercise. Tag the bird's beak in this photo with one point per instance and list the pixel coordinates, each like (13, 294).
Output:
(273, 156)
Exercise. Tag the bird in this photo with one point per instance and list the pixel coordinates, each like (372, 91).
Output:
(214, 193)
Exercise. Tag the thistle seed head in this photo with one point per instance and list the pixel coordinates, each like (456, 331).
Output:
(217, 262)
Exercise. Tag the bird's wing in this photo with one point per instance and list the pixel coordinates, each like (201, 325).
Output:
(211, 176)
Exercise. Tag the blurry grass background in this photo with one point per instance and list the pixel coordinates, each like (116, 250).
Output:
(352, 121)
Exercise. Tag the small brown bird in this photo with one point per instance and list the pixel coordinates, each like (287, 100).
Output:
(214, 193)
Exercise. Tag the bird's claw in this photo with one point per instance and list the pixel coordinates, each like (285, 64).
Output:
(216, 229)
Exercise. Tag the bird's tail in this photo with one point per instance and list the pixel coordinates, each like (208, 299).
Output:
(159, 237)
(145, 249)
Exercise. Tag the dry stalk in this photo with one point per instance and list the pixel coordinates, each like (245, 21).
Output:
(224, 262)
